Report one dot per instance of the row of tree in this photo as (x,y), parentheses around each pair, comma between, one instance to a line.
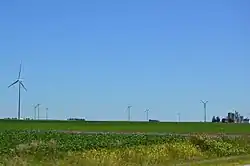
(76,119)
(216,119)
(223,120)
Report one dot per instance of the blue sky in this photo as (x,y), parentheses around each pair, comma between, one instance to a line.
(92,58)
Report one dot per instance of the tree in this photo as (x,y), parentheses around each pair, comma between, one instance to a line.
(213,119)
(230,120)
(217,119)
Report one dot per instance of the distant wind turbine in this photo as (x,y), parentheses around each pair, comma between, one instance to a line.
(147,110)
(38,111)
(47,113)
(20,84)
(129,113)
(179,116)
(35,112)
(205,109)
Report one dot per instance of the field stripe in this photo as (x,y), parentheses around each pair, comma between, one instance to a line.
(211,161)
(140,133)
(132,132)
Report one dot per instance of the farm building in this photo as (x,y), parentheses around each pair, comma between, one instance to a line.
(232,117)
(235,117)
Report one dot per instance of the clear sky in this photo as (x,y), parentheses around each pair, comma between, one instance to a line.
(91,58)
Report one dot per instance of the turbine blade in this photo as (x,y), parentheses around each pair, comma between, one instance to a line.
(23,86)
(13,83)
(20,69)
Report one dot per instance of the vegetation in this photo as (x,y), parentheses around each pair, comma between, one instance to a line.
(123,126)
(50,148)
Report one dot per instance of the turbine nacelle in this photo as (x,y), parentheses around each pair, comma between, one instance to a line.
(20,82)
(204,102)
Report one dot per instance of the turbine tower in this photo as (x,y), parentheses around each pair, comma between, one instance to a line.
(205,110)
(129,116)
(38,111)
(20,84)
(35,112)
(47,113)
(179,116)
(147,110)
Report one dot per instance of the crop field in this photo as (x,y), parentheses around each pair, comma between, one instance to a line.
(61,149)
(123,126)
(22,145)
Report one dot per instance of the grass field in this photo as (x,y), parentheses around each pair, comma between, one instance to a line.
(123,126)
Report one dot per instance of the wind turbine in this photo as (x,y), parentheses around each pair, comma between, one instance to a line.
(38,111)
(205,109)
(20,84)
(35,112)
(129,116)
(147,110)
(47,113)
(179,116)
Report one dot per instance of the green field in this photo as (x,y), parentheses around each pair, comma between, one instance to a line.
(60,149)
(123,126)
